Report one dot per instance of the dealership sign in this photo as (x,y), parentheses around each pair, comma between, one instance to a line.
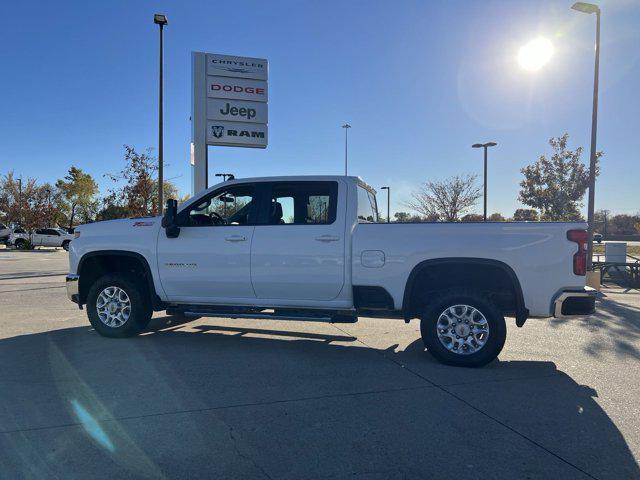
(228,107)
(235,91)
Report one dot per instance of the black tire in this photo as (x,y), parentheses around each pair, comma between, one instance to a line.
(495,320)
(21,244)
(141,310)
(65,245)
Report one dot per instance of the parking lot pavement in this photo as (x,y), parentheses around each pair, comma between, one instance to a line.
(222,398)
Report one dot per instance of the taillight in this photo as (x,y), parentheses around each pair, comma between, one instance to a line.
(580,257)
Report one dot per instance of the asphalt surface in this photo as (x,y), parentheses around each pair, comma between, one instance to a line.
(217,398)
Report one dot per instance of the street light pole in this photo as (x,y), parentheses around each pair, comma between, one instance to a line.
(485,146)
(388,189)
(20,201)
(160,20)
(346,127)
(590,8)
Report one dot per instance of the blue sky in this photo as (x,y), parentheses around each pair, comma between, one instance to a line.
(418,81)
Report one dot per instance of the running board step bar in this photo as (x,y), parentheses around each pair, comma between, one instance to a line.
(265,316)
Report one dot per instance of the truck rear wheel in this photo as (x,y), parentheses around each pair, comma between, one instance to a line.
(463,328)
(117,306)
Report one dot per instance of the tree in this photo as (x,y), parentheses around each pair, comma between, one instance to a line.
(472,217)
(405,217)
(525,215)
(496,217)
(78,192)
(555,186)
(24,202)
(112,212)
(601,221)
(447,199)
(624,224)
(402,216)
(136,188)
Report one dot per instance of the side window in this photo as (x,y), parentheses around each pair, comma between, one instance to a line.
(50,231)
(233,205)
(40,231)
(303,203)
(367,206)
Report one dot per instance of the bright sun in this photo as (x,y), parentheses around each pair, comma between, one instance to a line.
(535,54)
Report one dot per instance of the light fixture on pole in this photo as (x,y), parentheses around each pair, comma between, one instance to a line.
(590,8)
(485,146)
(346,127)
(160,20)
(225,176)
(388,189)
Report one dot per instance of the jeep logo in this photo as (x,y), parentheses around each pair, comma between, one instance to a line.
(247,113)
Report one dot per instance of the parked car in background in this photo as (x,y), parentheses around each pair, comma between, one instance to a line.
(597,237)
(4,233)
(43,237)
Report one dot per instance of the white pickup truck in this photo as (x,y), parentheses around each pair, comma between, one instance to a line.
(311,248)
(43,237)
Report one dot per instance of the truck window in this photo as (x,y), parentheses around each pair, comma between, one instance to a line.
(367,206)
(303,203)
(230,206)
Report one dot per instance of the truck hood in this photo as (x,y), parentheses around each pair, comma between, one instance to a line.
(134,234)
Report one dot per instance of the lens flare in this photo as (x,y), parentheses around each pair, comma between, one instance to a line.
(535,54)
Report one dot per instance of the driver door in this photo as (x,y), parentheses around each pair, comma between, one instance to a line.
(209,261)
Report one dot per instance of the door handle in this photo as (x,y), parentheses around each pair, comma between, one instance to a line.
(235,238)
(327,238)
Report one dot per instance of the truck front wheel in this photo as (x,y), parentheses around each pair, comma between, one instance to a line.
(463,328)
(117,306)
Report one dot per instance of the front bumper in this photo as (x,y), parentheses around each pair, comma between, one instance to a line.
(72,282)
(575,302)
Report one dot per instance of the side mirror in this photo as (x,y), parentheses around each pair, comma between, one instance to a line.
(169,219)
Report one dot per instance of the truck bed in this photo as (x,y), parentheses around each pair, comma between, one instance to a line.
(539,253)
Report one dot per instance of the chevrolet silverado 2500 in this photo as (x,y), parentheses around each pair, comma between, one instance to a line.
(311,248)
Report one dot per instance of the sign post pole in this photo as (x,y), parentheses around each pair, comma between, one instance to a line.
(229,107)
(199,149)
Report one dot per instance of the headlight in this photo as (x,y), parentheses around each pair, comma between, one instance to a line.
(76,234)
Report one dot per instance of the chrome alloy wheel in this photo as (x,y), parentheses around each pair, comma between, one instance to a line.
(462,329)
(113,307)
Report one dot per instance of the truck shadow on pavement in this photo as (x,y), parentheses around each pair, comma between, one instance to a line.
(216,400)
(615,326)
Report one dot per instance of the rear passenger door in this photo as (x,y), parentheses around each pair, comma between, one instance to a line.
(299,253)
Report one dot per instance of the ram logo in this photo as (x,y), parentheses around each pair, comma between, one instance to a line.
(217,131)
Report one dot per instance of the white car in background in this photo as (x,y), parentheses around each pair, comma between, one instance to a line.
(43,237)
(4,233)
